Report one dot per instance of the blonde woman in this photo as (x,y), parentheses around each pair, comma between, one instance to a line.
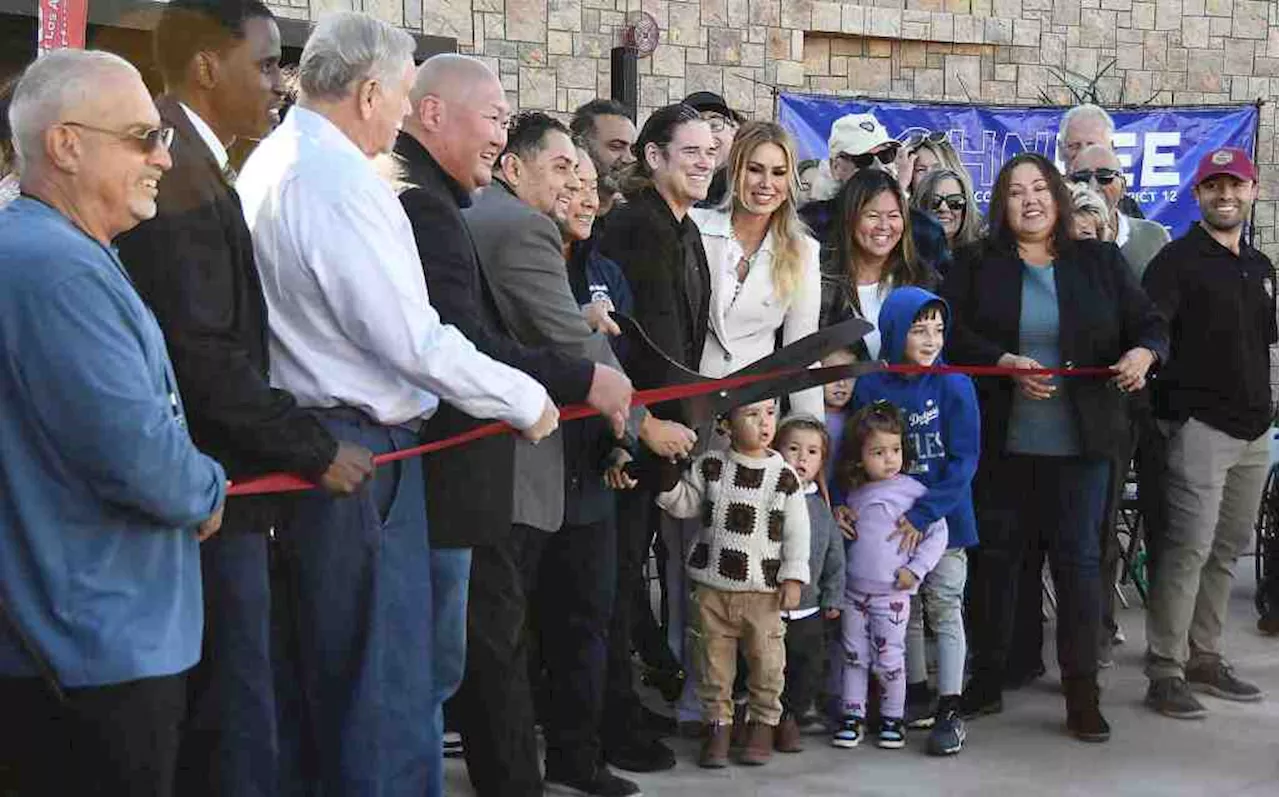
(763,262)
(1089,215)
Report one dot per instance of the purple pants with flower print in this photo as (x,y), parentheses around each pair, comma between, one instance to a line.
(873,632)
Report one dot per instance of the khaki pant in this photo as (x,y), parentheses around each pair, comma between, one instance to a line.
(725,620)
(1215,484)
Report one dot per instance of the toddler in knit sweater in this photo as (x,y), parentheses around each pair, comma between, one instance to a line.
(882,570)
(748,563)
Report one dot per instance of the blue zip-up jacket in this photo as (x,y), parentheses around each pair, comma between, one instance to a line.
(942,419)
(101,487)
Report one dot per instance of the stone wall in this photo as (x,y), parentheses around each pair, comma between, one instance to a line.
(554,54)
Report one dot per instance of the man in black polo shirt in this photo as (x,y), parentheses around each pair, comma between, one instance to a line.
(1213,404)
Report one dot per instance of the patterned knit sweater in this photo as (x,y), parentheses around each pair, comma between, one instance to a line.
(755,524)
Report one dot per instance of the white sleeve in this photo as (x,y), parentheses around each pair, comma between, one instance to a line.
(802,319)
(352,240)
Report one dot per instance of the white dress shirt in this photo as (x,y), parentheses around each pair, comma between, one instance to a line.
(745,317)
(351,323)
(207,136)
(1122,229)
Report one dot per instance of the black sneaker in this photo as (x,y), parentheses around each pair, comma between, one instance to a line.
(638,753)
(920,707)
(601,783)
(1217,678)
(892,735)
(1172,698)
(948,734)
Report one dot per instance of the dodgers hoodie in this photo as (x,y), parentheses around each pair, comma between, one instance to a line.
(873,559)
(942,417)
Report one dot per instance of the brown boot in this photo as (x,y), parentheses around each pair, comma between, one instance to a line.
(715,748)
(787,737)
(759,747)
(738,739)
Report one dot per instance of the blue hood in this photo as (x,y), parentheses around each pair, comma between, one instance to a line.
(896,315)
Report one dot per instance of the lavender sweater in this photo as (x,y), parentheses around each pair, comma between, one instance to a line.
(873,558)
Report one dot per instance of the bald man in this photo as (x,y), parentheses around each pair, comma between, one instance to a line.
(445,151)
(105,498)
(1097,166)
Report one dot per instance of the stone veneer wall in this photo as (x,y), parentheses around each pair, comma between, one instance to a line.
(554,54)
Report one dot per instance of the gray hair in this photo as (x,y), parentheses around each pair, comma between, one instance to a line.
(346,48)
(1083,112)
(56,83)
(1085,200)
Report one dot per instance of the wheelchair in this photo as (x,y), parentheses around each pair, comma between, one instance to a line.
(1266,548)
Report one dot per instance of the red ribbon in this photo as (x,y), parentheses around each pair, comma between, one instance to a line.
(288,482)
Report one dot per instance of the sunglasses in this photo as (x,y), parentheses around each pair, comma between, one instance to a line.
(1103,176)
(148,140)
(916,140)
(954,201)
(718,123)
(885,156)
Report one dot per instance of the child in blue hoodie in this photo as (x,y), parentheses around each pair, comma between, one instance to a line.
(943,426)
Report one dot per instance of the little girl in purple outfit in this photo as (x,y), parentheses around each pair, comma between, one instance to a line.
(884,568)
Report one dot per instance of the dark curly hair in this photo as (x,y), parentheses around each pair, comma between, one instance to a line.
(527,134)
(879,416)
(187,27)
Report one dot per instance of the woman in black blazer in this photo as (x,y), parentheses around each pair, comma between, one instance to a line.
(1026,297)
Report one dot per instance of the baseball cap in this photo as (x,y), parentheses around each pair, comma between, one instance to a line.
(857,133)
(1228,160)
(710,101)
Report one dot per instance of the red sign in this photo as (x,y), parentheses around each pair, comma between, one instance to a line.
(62,24)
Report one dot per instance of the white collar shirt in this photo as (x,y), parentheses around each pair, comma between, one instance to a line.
(1122,229)
(207,136)
(350,320)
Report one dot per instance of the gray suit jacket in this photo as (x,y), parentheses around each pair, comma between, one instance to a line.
(520,253)
(1146,238)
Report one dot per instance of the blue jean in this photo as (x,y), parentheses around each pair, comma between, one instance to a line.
(361,623)
(229,745)
(941,596)
(450,576)
(1023,498)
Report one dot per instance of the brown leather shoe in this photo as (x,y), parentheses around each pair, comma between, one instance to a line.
(738,739)
(759,747)
(715,748)
(787,737)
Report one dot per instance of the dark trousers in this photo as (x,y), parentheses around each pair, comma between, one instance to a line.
(109,741)
(230,744)
(1026,654)
(359,609)
(1062,498)
(571,575)
(805,656)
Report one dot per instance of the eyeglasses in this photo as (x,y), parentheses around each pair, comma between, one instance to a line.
(149,140)
(717,122)
(885,156)
(954,201)
(1103,176)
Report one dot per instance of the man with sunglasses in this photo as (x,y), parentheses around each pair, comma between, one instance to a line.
(194,266)
(105,496)
(857,142)
(1139,239)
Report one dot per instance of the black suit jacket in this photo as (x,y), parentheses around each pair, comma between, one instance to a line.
(193,264)
(469,488)
(646,241)
(1102,313)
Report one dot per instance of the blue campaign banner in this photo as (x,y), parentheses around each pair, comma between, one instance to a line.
(1159,146)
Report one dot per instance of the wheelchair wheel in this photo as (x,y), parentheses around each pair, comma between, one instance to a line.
(1267,546)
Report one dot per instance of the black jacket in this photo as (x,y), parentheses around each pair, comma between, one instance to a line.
(644,238)
(1221,309)
(193,264)
(1102,314)
(469,488)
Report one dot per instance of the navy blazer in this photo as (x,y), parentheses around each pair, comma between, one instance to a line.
(1102,313)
